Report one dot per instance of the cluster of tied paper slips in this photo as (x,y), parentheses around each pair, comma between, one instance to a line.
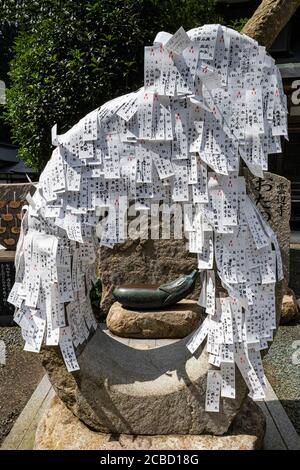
(211,98)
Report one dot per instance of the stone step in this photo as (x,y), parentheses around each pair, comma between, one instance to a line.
(138,343)
(175,321)
(59,429)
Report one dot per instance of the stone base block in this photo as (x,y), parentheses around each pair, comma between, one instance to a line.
(289,309)
(59,429)
(176,321)
(123,390)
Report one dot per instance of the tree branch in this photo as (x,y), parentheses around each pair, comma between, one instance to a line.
(269,19)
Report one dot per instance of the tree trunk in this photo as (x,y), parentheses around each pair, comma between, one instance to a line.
(269,19)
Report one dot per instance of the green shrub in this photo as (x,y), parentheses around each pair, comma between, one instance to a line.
(72,56)
(238,23)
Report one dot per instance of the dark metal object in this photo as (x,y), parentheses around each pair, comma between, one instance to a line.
(156,297)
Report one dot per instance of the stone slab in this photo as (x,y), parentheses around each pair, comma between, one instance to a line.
(120,389)
(281,420)
(272,196)
(59,429)
(176,321)
(273,440)
(22,434)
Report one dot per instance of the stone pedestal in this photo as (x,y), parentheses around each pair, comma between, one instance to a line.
(59,429)
(176,321)
(119,389)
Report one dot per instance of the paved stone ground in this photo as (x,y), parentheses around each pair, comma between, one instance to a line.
(283,372)
(18,378)
(283,375)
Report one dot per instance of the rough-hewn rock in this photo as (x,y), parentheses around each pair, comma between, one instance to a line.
(176,321)
(269,19)
(59,429)
(119,389)
(124,390)
(289,309)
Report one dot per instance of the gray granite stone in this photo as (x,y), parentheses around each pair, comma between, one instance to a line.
(120,389)
(175,321)
(59,429)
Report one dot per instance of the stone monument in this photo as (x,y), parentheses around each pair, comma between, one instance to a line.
(212,98)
